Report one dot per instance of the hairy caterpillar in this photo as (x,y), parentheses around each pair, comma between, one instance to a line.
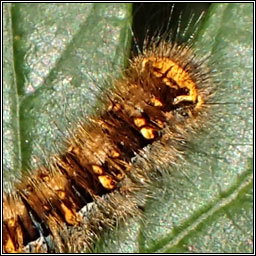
(149,131)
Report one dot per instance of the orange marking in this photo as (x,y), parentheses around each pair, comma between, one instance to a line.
(69,216)
(11,222)
(116,107)
(156,102)
(9,246)
(148,133)
(74,150)
(171,71)
(139,121)
(114,154)
(97,169)
(106,181)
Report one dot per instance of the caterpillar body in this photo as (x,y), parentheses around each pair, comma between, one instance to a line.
(161,102)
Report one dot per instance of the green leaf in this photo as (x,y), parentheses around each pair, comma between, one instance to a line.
(54,54)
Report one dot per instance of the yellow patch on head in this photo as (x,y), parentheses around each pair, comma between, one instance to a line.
(167,69)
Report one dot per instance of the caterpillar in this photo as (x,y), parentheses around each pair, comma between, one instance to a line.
(162,102)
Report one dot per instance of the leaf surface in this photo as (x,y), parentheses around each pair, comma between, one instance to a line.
(55,59)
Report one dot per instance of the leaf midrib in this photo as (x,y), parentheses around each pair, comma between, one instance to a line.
(16,94)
